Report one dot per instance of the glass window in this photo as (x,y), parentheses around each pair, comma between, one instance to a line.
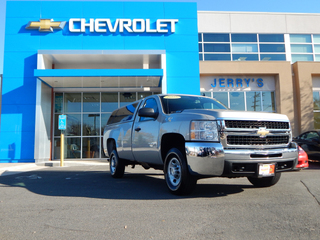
(236,37)
(217,57)
(91,102)
(205,94)
(217,47)
(72,102)
(237,101)
(244,48)
(56,148)
(316,38)
(125,113)
(109,102)
(301,48)
(272,48)
(316,101)
(245,57)
(317,57)
(221,97)
(104,120)
(58,102)
(150,103)
(91,124)
(272,57)
(126,98)
(57,132)
(143,95)
(200,47)
(268,102)
(200,57)
(90,147)
(316,48)
(199,37)
(216,37)
(316,120)
(73,125)
(300,38)
(301,57)
(271,37)
(73,147)
(253,101)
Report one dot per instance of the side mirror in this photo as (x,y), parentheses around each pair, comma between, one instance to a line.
(147,112)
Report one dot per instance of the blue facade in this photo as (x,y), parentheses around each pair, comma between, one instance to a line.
(17,133)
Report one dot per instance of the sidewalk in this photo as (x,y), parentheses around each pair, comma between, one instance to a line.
(15,168)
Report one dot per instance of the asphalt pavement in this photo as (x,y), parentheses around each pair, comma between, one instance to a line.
(84,202)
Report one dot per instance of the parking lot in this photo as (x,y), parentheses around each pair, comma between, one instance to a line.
(84,202)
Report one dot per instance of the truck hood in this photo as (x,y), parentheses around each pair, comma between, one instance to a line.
(237,115)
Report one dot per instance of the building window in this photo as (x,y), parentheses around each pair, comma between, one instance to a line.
(301,57)
(217,57)
(271,38)
(272,48)
(259,101)
(300,38)
(239,37)
(87,115)
(316,109)
(216,37)
(241,47)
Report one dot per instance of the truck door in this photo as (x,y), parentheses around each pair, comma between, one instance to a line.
(145,133)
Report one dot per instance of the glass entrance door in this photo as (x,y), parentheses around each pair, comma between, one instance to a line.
(87,114)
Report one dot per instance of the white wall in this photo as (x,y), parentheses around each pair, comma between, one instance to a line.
(250,22)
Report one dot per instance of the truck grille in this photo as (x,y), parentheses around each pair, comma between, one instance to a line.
(256,124)
(256,140)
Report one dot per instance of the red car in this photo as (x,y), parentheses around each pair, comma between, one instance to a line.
(302,160)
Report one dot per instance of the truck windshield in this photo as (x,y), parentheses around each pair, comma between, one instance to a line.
(177,103)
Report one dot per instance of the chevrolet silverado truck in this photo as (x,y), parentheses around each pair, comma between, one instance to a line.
(193,137)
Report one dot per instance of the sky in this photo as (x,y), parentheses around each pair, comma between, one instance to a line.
(285,6)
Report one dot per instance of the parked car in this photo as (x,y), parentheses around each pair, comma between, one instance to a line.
(302,160)
(310,143)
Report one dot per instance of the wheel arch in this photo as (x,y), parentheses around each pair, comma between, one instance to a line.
(111,145)
(172,140)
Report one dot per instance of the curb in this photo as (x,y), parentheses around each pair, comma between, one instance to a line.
(27,167)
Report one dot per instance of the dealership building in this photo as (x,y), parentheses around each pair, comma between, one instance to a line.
(85,59)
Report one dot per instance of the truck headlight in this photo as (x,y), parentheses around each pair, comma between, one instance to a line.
(204,131)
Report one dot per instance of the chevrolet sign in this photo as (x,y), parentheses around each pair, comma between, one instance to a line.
(101,25)
(130,25)
(45,25)
(262,132)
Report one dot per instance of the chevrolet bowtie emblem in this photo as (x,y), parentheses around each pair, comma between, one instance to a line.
(45,25)
(262,132)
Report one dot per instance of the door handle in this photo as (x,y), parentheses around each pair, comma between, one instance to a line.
(137,129)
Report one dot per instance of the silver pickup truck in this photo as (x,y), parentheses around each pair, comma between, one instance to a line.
(192,137)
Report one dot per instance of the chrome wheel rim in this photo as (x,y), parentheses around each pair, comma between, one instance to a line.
(113,163)
(174,172)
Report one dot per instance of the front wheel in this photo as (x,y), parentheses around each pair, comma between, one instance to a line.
(177,176)
(117,165)
(265,182)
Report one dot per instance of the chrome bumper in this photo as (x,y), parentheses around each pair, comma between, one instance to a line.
(210,159)
(205,158)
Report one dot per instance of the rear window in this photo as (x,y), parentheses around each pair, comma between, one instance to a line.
(123,114)
(176,103)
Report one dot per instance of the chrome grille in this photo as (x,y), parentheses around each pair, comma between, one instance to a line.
(256,140)
(256,124)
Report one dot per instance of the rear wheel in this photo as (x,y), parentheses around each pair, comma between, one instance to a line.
(266,181)
(117,165)
(177,176)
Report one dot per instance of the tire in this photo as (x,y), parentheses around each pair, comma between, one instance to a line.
(266,181)
(177,176)
(117,165)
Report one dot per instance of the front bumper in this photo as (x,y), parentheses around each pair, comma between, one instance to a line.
(210,159)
